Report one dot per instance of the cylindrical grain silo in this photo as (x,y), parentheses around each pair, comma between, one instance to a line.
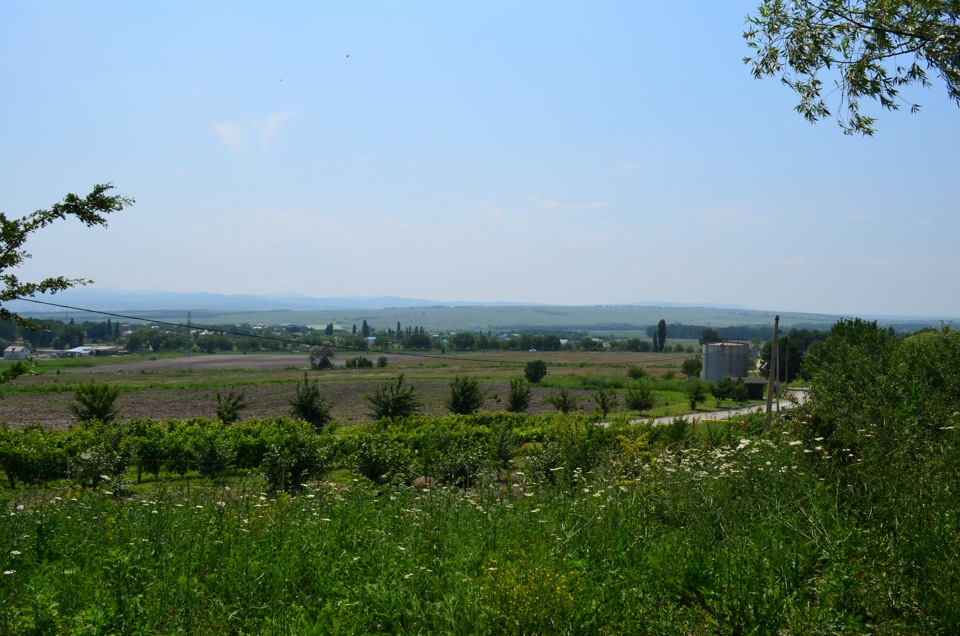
(724,358)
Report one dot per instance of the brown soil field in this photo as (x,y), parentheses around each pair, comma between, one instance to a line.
(187,387)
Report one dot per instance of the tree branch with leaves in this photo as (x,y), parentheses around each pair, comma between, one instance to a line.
(870,49)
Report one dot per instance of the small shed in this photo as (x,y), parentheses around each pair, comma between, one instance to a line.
(16,352)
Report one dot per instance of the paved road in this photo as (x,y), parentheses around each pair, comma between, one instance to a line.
(785,403)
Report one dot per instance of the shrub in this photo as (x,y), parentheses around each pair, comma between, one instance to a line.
(466,396)
(294,454)
(310,406)
(229,407)
(535,371)
(394,401)
(518,399)
(359,362)
(96,401)
(381,459)
(640,399)
(606,401)
(691,367)
(563,401)
(696,393)
(320,358)
(382,362)
(636,373)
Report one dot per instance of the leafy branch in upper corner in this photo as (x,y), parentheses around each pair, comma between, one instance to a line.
(873,49)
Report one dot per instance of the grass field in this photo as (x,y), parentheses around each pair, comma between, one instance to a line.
(169,387)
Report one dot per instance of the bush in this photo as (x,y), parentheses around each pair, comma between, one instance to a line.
(640,399)
(563,401)
(606,401)
(96,401)
(696,393)
(320,358)
(382,459)
(691,367)
(382,362)
(394,401)
(295,453)
(518,399)
(535,371)
(229,407)
(636,373)
(310,406)
(360,362)
(466,396)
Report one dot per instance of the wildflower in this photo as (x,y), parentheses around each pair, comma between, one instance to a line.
(15,552)
(9,572)
(795,442)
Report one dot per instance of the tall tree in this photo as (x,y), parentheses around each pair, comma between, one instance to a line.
(661,334)
(870,48)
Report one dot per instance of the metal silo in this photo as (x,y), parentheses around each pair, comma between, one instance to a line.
(724,358)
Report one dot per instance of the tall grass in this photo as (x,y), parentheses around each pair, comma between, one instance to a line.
(597,531)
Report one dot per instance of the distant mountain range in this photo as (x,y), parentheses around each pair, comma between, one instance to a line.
(112,300)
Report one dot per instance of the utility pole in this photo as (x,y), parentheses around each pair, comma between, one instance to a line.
(773,362)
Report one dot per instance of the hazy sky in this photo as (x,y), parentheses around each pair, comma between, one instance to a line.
(546,152)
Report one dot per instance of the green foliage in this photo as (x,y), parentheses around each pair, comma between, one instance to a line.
(394,401)
(466,396)
(382,362)
(606,401)
(640,399)
(691,367)
(309,405)
(872,50)
(563,400)
(381,459)
(535,371)
(295,454)
(728,389)
(696,393)
(230,406)
(14,233)
(518,398)
(360,362)
(708,335)
(96,401)
(636,373)
(321,358)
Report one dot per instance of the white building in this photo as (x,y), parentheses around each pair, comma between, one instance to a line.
(16,352)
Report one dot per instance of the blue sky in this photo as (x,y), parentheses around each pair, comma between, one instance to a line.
(545,152)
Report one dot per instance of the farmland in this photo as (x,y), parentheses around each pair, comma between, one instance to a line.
(838,520)
(186,386)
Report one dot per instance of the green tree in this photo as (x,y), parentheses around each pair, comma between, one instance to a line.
(691,367)
(870,49)
(96,401)
(640,399)
(365,329)
(230,405)
(563,401)
(394,401)
(696,394)
(661,334)
(606,401)
(417,341)
(320,357)
(14,233)
(309,405)
(518,398)
(466,396)
(535,371)
(709,335)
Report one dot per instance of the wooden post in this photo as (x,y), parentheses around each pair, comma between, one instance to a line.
(773,364)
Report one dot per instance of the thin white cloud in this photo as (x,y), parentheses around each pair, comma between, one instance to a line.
(270,127)
(628,167)
(235,134)
(231,134)
(796,261)
(552,204)
(732,216)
